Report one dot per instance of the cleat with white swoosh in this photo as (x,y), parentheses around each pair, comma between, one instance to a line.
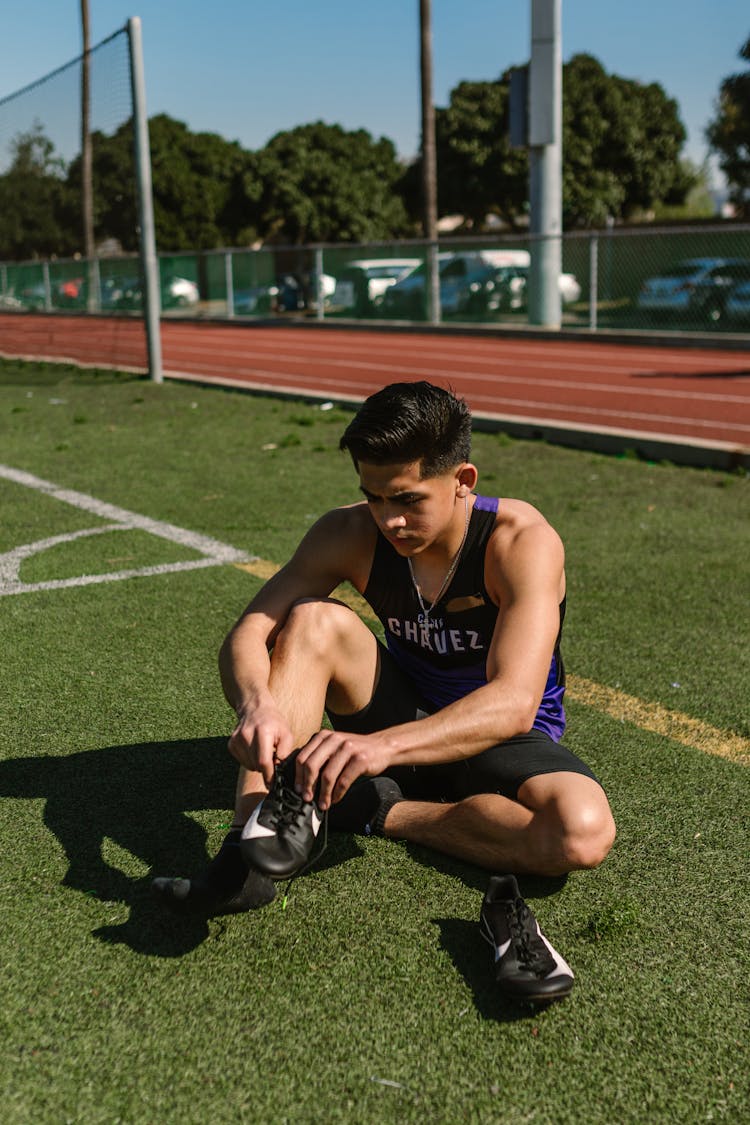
(526,965)
(280,834)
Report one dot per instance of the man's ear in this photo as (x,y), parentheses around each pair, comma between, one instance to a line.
(466,478)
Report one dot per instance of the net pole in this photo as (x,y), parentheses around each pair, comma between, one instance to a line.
(87,190)
(429,165)
(149,263)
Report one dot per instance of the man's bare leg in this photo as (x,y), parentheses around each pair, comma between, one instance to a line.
(561,822)
(323,656)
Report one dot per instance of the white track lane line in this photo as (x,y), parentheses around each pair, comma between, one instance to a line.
(299,382)
(227,361)
(634,357)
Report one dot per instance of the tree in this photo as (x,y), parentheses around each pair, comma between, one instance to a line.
(321,183)
(113,174)
(194,176)
(699,201)
(478,172)
(621,145)
(202,186)
(729,135)
(621,150)
(35,203)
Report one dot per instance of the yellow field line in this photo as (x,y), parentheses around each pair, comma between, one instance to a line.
(610,701)
(660,720)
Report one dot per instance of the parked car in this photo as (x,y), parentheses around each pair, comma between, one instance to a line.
(472,283)
(463,278)
(259,299)
(34,296)
(73,293)
(362,284)
(176,292)
(511,289)
(695,287)
(327,285)
(180,292)
(737,304)
(8,301)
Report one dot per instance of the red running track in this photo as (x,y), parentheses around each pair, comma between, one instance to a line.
(685,395)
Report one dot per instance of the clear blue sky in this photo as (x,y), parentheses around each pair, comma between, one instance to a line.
(248,68)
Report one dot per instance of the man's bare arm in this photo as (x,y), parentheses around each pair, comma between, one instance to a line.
(329,554)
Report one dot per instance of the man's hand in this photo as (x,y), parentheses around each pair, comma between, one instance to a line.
(262,737)
(338,759)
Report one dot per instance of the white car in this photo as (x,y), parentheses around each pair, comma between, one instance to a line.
(361,285)
(473,283)
(180,291)
(511,288)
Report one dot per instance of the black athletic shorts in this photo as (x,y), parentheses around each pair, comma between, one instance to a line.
(499,769)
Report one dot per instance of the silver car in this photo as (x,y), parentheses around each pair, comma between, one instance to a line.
(696,287)
(362,284)
(737,304)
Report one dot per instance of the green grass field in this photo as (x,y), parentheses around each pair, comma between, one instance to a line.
(371,997)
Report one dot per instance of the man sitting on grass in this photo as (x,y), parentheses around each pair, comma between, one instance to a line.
(447,735)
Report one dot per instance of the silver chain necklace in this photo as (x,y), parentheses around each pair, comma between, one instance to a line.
(427,610)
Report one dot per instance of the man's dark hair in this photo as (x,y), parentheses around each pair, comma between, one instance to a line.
(411,422)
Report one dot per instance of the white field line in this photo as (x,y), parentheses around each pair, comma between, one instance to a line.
(120,519)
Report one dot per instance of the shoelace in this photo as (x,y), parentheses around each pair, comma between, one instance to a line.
(531,950)
(288,809)
(288,805)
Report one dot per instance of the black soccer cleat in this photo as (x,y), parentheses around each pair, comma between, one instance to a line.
(280,834)
(526,965)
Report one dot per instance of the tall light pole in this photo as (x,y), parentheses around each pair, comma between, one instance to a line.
(545,162)
(87,194)
(429,164)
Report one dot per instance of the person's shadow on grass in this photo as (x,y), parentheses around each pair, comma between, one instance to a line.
(139,797)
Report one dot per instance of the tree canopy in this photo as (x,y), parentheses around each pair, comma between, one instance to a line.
(621,145)
(36,204)
(322,183)
(478,172)
(620,150)
(314,183)
(202,186)
(729,134)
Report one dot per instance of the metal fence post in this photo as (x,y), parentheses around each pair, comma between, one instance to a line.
(593,281)
(229,278)
(150,265)
(94,296)
(319,294)
(432,279)
(47,287)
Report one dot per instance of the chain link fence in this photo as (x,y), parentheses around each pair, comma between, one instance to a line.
(666,280)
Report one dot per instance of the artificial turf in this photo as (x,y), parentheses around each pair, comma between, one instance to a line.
(370,997)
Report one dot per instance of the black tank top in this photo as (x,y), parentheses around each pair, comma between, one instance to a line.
(446,655)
